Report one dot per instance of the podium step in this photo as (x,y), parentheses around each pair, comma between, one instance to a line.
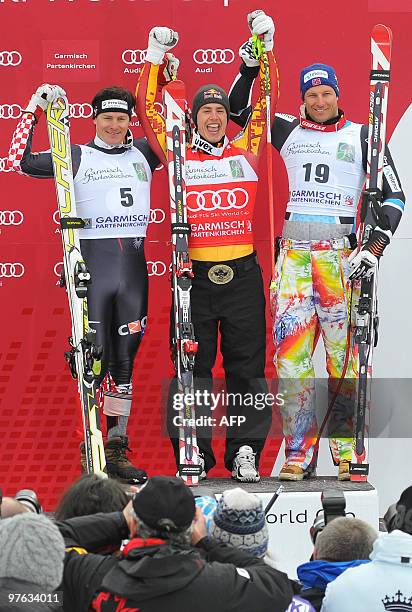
(290,518)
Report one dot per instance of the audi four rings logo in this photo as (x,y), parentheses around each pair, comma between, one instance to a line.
(134,56)
(157,215)
(11,217)
(156,268)
(81,111)
(223,199)
(3,165)
(58,267)
(11,270)
(10,58)
(10,111)
(213,56)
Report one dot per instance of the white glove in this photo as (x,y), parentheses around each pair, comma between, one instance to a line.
(261,24)
(160,41)
(44,95)
(171,67)
(362,264)
(246,54)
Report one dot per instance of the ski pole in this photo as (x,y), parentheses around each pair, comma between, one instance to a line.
(260,51)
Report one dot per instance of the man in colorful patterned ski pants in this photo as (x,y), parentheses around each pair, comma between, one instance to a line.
(326,161)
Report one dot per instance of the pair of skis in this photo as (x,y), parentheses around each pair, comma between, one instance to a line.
(185,345)
(84,357)
(367,320)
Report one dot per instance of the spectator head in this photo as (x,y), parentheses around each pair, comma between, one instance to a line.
(240,521)
(10,507)
(91,494)
(32,550)
(399,516)
(345,539)
(164,507)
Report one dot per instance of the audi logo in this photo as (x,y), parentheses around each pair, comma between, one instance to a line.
(81,111)
(11,270)
(3,165)
(11,217)
(213,56)
(156,268)
(134,56)
(157,215)
(58,267)
(10,58)
(223,199)
(10,111)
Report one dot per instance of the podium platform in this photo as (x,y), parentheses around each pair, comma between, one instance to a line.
(293,513)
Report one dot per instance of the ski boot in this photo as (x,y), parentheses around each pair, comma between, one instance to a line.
(117,463)
(344,473)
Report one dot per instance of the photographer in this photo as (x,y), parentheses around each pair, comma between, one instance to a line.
(345,542)
(169,562)
(385,582)
(24,501)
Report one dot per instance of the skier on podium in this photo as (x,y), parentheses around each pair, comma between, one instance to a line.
(112,176)
(325,156)
(227,290)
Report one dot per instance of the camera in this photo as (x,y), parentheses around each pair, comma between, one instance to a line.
(28,498)
(333,506)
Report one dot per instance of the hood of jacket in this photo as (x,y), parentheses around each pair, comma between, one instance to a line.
(318,574)
(152,568)
(394,547)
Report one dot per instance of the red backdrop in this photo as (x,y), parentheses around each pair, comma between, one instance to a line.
(39,412)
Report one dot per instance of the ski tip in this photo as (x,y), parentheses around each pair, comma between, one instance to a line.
(382,34)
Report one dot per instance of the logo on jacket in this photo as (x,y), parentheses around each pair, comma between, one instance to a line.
(398,603)
(345,152)
(140,172)
(221,199)
(236,168)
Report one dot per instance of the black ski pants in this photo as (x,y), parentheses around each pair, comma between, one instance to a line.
(117,301)
(237,310)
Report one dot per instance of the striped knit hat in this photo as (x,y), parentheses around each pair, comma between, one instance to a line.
(240,521)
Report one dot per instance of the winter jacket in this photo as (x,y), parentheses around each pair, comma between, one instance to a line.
(316,575)
(383,584)
(152,575)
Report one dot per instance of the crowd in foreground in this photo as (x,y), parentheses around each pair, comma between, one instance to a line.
(162,548)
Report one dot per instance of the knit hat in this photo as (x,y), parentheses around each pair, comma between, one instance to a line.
(209,94)
(240,521)
(31,549)
(207,505)
(318,74)
(165,503)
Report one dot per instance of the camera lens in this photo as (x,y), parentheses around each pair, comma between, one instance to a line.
(28,498)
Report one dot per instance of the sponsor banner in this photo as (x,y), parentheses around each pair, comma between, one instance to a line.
(71,61)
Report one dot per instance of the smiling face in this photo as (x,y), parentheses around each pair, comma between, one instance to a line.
(112,127)
(321,103)
(212,122)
